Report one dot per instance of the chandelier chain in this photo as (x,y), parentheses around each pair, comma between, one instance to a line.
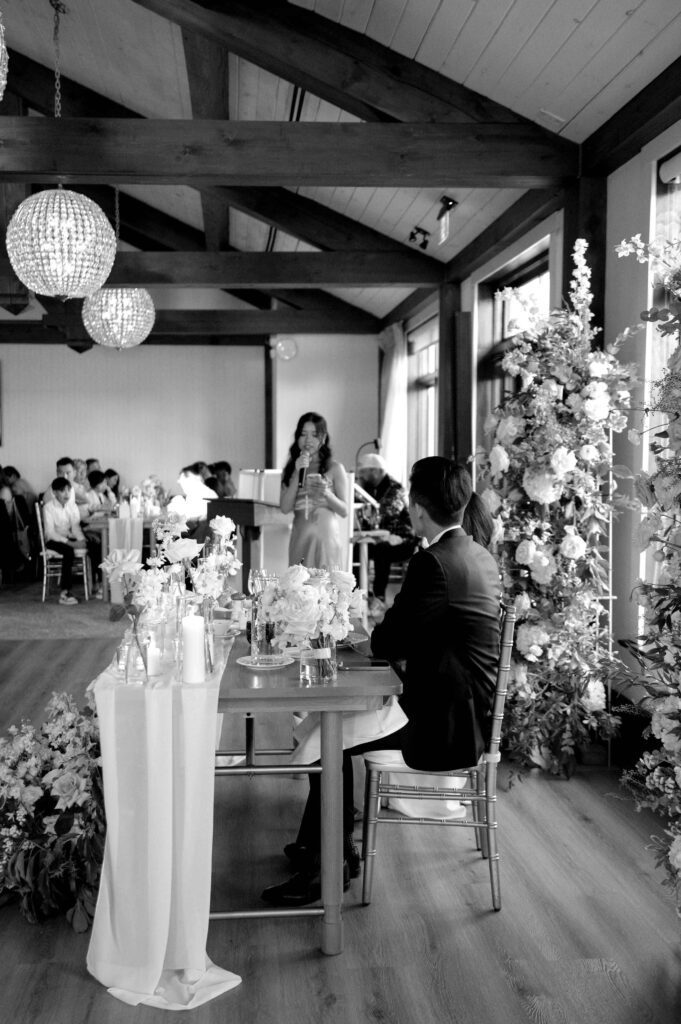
(117,213)
(59,8)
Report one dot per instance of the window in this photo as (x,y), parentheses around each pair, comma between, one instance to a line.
(422,351)
(500,317)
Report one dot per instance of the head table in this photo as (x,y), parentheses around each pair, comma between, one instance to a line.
(158,742)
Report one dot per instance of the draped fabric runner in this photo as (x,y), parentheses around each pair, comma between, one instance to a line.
(149,934)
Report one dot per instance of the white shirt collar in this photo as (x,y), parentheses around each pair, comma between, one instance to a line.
(441,534)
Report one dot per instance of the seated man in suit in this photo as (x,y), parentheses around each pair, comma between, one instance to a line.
(444,627)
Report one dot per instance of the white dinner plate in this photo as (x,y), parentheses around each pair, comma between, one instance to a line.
(260,666)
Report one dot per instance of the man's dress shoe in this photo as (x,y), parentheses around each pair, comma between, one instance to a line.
(303,859)
(303,887)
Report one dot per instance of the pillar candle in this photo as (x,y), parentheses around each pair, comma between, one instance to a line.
(193,657)
(153,660)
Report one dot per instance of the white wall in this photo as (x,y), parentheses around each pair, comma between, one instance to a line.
(146,410)
(337,377)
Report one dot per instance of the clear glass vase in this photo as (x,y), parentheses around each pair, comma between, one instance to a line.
(318,664)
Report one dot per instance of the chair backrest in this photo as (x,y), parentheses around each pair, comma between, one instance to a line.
(41,532)
(507,629)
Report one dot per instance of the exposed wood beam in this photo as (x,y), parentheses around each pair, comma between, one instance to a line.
(654,109)
(333,62)
(269,270)
(221,322)
(119,150)
(298,216)
(35,332)
(208,73)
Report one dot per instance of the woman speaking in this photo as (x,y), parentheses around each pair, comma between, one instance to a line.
(314,488)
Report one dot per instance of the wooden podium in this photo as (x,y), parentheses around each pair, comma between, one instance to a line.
(252,517)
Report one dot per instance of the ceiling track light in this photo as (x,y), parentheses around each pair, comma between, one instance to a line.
(420,236)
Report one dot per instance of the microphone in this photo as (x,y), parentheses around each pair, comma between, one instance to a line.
(301,476)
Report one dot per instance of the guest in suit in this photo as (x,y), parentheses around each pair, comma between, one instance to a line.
(443,628)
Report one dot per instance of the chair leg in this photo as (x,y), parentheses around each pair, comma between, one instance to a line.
(473,780)
(86,577)
(491,836)
(483,816)
(44,581)
(369,824)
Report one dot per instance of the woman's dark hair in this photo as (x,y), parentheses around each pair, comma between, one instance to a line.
(108,474)
(442,487)
(478,522)
(325,454)
(95,477)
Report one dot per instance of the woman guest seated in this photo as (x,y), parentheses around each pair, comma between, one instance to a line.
(98,504)
(113,483)
(314,487)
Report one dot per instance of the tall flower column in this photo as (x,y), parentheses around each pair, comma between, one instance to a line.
(549,478)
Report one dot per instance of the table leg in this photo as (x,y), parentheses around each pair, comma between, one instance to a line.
(332,831)
(105,552)
(364,581)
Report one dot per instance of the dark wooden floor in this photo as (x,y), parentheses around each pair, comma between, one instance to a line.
(587,935)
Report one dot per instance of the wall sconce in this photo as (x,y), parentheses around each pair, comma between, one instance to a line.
(420,236)
(446,204)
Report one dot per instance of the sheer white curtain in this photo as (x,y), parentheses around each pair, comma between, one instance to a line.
(393,401)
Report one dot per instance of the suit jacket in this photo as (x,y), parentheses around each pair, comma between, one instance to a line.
(445,624)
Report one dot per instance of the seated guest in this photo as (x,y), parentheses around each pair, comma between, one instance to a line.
(225,486)
(113,483)
(444,625)
(201,469)
(92,464)
(80,485)
(67,470)
(14,517)
(63,533)
(97,502)
(20,487)
(393,515)
(193,503)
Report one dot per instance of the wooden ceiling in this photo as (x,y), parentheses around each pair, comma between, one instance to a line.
(283,152)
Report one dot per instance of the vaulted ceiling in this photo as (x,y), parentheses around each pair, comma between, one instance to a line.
(283,152)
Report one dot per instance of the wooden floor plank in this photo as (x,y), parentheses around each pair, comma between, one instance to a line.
(587,935)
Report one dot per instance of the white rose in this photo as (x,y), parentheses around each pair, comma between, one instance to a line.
(674,854)
(596,401)
(574,402)
(573,546)
(492,500)
(530,641)
(594,698)
(509,428)
(525,552)
(589,453)
(522,603)
(598,367)
(181,548)
(343,580)
(563,461)
(498,460)
(541,486)
(543,568)
(294,576)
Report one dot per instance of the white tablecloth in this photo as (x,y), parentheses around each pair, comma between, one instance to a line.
(149,934)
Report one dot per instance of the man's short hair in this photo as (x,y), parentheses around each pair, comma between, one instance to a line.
(11,471)
(372,460)
(60,483)
(64,461)
(222,466)
(442,487)
(88,462)
(95,477)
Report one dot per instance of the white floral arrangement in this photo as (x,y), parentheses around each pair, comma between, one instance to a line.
(308,604)
(549,482)
(52,824)
(655,780)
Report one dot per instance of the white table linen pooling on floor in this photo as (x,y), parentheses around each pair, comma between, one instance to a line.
(148,941)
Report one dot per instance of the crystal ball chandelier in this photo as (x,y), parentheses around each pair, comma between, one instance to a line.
(4,59)
(119,317)
(61,244)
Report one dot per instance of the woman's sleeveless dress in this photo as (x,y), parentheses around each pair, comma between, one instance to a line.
(315,540)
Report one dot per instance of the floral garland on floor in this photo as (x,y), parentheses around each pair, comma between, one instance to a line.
(655,781)
(52,824)
(548,475)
